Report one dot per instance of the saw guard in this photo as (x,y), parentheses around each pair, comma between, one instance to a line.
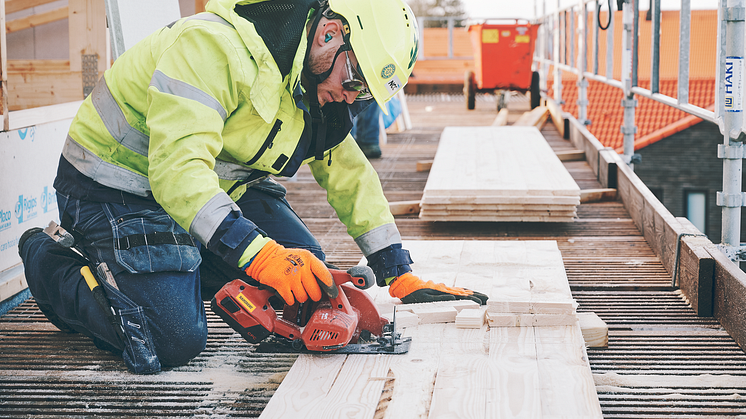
(370,318)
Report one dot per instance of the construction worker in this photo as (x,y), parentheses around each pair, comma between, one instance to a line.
(164,173)
(366,131)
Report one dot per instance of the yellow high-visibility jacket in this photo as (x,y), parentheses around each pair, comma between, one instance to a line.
(198,108)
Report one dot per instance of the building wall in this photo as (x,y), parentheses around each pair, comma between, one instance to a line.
(50,41)
(687,161)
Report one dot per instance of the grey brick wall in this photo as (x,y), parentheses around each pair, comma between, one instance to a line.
(687,161)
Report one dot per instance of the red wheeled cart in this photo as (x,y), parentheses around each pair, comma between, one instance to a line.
(503,53)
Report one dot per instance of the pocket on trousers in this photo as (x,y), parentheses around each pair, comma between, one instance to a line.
(151,241)
(139,354)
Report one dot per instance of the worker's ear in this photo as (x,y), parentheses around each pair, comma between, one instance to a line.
(328,32)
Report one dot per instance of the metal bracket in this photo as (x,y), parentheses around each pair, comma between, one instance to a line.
(730,152)
(735,14)
(629,103)
(628,130)
(734,253)
(731,200)
(90,72)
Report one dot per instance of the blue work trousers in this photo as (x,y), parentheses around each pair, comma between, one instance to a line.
(366,126)
(161,287)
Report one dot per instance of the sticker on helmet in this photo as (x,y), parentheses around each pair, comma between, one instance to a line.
(393,85)
(388,71)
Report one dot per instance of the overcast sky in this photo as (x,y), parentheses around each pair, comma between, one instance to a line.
(525,8)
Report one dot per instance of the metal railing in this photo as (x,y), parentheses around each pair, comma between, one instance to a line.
(569,24)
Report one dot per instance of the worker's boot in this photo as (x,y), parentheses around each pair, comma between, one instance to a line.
(45,309)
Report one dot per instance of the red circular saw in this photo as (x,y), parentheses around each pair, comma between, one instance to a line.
(345,320)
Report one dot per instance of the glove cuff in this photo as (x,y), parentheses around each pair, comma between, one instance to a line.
(258,262)
(405,285)
(392,261)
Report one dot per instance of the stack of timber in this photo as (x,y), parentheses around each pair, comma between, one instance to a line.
(498,174)
(454,372)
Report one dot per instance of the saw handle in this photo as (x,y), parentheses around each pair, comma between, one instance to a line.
(360,276)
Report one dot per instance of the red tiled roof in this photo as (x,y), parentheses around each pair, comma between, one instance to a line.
(652,118)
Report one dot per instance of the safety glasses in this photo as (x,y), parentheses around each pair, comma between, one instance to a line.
(355,81)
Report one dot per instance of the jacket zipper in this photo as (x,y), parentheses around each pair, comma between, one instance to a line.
(267,143)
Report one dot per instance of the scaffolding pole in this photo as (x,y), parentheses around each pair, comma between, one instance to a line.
(731,151)
(582,63)
(628,102)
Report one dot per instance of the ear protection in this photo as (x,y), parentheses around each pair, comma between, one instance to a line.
(328,38)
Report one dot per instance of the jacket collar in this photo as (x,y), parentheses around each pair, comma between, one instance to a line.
(268,86)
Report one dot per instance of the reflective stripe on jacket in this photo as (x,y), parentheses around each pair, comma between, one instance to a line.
(199,106)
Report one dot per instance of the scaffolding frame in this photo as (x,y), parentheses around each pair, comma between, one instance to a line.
(559,26)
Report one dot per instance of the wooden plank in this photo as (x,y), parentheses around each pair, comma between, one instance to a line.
(424,165)
(597,195)
(595,331)
(696,269)
(529,320)
(510,160)
(39,19)
(415,373)
(501,118)
(12,286)
(31,90)
(547,219)
(472,318)
(458,305)
(729,305)
(404,319)
(572,155)
(88,33)
(557,116)
(607,161)
(499,207)
(307,382)
(567,387)
(461,385)
(466,373)
(404,207)
(514,374)
(435,314)
(330,386)
(533,118)
(503,200)
(37,66)
(12,6)
(499,213)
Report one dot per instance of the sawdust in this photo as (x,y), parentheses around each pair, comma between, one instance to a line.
(613,379)
(702,394)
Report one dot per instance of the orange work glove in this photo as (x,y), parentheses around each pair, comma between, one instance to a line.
(296,274)
(411,289)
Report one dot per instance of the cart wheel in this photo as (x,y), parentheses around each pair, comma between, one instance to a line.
(469,89)
(535,92)
(501,99)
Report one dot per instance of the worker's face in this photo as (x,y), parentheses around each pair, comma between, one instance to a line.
(328,40)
